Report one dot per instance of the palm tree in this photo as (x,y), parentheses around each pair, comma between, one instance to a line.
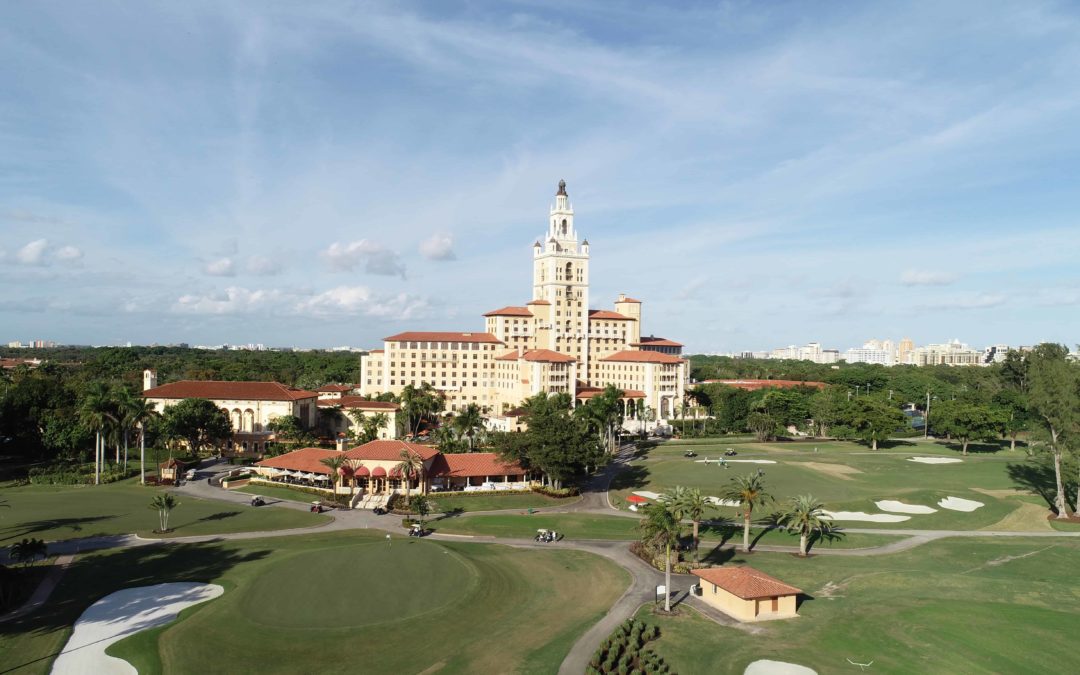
(805,515)
(689,503)
(96,413)
(334,463)
(164,504)
(409,466)
(660,527)
(469,422)
(28,551)
(348,473)
(749,491)
(124,401)
(138,413)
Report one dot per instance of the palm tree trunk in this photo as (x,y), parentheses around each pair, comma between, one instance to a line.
(667,579)
(1059,498)
(97,458)
(746,533)
(802,544)
(125,450)
(142,456)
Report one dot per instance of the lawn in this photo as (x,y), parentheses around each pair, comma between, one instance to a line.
(954,606)
(339,602)
(447,503)
(57,513)
(849,477)
(572,525)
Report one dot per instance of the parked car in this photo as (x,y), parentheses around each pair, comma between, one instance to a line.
(190,475)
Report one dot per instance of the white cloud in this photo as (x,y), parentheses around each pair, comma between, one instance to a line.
(926,278)
(33,253)
(438,247)
(222,267)
(233,300)
(375,258)
(263,266)
(68,253)
(342,301)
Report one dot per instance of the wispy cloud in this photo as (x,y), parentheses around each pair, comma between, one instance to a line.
(927,278)
(438,247)
(222,267)
(373,257)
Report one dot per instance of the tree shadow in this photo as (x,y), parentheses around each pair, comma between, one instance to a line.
(895,443)
(720,555)
(1038,477)
(451,513)
(978,448)
(221,515)
(33,527)
(93,576)
(831,537)
(634,476)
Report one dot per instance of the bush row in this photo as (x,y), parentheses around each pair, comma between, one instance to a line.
(624,652)
(322,494)
(77,474)
(656,559)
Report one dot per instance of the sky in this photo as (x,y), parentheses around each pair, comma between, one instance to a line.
(330,173)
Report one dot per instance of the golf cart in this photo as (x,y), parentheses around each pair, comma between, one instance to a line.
(731,452)
(379,511)
(257,501)
(547,536)
(689,453)
(416,530)
(317,507)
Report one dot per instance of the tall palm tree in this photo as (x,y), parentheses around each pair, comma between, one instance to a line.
(96,413)
(805,515)
(124,401)
(409,466)
(334,463)
(139,412)
(164,504)
(690,504)
(660,527)
(469,422)
(749,491)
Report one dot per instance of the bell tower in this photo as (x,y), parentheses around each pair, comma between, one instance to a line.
(561,277)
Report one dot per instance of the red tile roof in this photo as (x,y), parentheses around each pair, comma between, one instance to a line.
(508,356)
(472,464)
(605,314)
(308,460)
(746,582)
(656,342)
(593,392)
(358,403)
(547,356)
(335,388)
(438,336)
(388,450)
(510,311)
(216,390)
(538,302)
(626,299)
(642,357)
(377,351)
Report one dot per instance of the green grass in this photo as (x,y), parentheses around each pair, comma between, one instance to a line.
(275,492)
(572,525)
(337,603)
(954,606)
(57,513)
(845,476)
(457,502)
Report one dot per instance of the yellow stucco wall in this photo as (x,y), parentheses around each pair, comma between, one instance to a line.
(747,610)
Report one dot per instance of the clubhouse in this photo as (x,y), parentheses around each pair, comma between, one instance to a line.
(371,470)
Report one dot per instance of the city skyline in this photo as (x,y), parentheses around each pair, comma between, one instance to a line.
(325,177)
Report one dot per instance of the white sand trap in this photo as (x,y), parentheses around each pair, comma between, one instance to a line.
(868,517)
(900,507)
(767,667)
(736,461)
(935,460)
(958,504)
(119,615)
(716,501)
(647,495)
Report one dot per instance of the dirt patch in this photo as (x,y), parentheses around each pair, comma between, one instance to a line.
(1002,494)
(841,471)
(1026,517)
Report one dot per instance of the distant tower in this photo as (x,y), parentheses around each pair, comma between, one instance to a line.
(149,379)
(561,277)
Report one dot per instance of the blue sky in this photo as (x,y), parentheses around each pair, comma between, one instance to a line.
(320,174)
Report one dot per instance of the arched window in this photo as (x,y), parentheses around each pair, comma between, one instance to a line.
(569,271)
(564,226)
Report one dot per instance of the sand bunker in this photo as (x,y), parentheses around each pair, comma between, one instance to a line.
(767,667)
(716,501)
(935,460)
(647,495)
(736,461)
(868,517)
(958,504)
(901,507)
(120,614)
(841,471)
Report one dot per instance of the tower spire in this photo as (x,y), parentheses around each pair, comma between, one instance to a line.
(562,189)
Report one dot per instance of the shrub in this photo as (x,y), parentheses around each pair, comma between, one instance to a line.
(552,492)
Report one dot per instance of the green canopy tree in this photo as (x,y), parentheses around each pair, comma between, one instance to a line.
(749,491)
(1054,402)
(805,514)
(763,425)
(197,422)
(873,420)
(967,422)
(421,403)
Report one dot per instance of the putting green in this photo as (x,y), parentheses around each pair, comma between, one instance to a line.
(358,585)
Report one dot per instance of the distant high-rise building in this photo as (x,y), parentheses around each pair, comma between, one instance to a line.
(953,353)
(903,350)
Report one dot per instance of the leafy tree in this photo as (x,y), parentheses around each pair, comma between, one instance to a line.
(1054,399)
(967,422)
(826,409)
(805,515)
(421,403)
(421,506)
(660,528)
(164,504)
(558,443)
(469,423)
(197,422)
(763,425)
(872,420)
(749,491)
(289,430)
(409,466)
(28,551)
